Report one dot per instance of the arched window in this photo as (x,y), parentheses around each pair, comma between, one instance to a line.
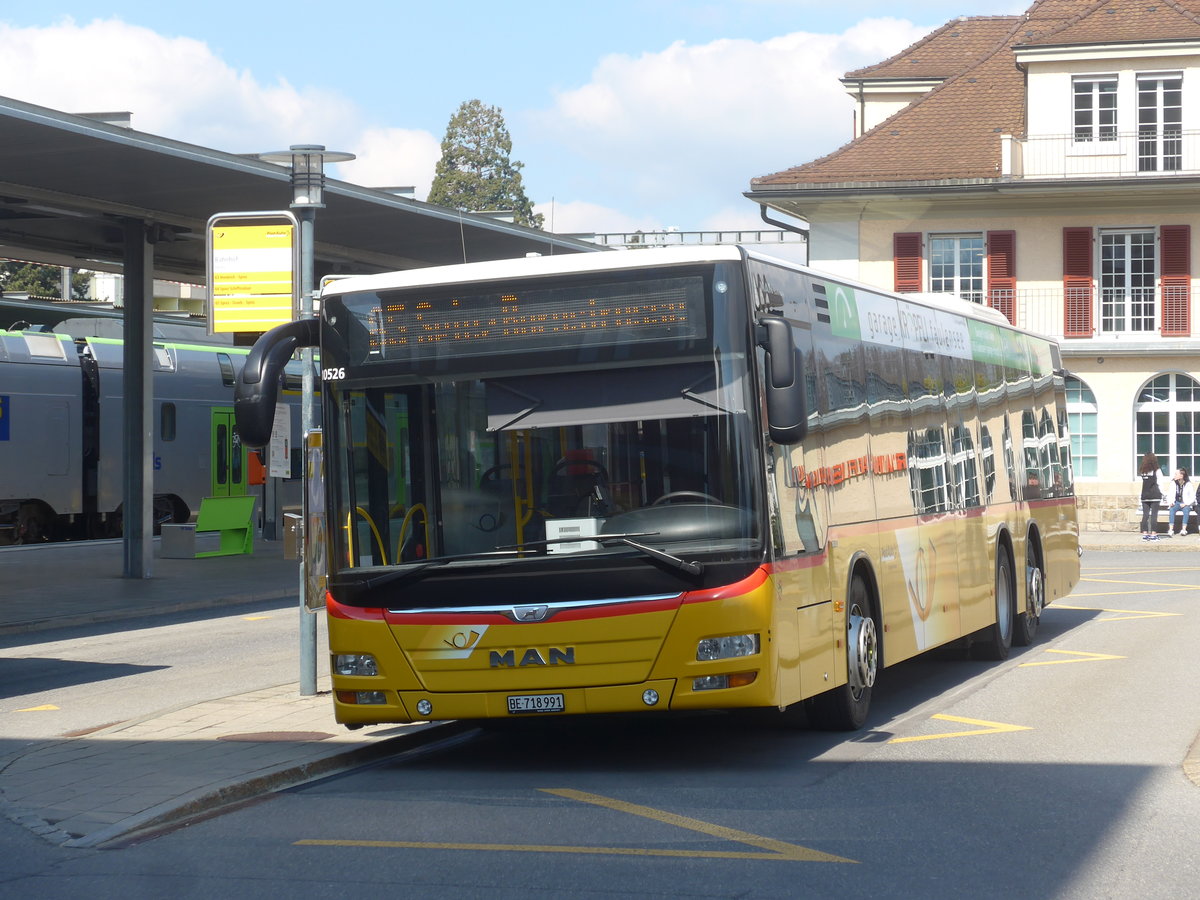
(1167,415)
(1081,416)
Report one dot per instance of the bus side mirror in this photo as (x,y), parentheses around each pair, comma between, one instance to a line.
(257,388)
(787,406)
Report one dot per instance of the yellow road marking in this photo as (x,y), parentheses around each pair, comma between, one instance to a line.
(1086,657)
(985,728)
(1128,613)
(254,618)
(1165,584)
(46,708)
(771,849)
(791,851)
(1123,593)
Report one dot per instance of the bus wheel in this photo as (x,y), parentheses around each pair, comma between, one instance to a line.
(998,637)
(845,708)
(1035,601)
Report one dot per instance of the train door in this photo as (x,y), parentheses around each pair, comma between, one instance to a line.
(230,467)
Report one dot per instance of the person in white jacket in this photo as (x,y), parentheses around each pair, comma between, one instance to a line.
(1180,492)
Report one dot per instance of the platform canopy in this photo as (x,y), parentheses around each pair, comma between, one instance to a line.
(69,182)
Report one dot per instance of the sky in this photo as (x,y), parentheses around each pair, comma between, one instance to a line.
(626,114)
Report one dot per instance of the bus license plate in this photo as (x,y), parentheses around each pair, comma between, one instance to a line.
(535,703)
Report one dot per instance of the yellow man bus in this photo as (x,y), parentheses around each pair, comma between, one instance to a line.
(670,479)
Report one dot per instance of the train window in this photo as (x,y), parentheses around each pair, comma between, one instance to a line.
(166,422)
(227,372)
(293,377)
(222,454)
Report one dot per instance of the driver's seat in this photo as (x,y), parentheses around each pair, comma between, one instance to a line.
(578,488)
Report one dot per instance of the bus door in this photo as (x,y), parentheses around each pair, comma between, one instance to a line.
(229,465)
(388,518)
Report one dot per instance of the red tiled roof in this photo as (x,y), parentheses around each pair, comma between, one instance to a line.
(1107,21)
(953,132)
(945,52)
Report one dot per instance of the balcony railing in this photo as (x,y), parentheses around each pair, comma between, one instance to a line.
(1151,152)
(1133,314)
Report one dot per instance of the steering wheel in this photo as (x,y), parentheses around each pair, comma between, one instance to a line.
(681,495)
(492,474)
(590,463)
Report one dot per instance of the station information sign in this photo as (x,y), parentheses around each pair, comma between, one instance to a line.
(253,271)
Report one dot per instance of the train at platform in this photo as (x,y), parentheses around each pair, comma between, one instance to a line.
(62,429)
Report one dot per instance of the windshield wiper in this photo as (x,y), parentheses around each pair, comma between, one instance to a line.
(357,583)
(683,565)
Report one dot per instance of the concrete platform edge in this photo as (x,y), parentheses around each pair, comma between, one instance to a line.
(100,618)
(213,798)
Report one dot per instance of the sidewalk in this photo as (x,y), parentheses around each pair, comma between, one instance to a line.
(91,789)
(168,767)
(84,791)
(55,585)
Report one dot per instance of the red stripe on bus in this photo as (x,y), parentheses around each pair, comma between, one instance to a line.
(738,588)
(359,613)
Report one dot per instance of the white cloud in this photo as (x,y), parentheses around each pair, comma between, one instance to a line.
(175,87)
(178,88)
(667,139)
(584,217)
(394,157)
(689,127)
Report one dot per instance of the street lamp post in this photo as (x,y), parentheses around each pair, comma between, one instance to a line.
(307,162)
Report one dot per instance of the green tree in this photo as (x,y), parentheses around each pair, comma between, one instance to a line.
(41,281)
(476,172)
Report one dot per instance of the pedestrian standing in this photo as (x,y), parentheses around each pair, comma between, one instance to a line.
(1149,474)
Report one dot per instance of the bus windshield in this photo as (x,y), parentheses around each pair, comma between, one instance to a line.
(537,465)
(544,465)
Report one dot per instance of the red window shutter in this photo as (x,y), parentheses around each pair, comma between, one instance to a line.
(1077,282)
(906,250)
(1002,272)
(1175,251)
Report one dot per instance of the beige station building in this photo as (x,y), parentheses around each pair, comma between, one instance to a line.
(1048,165)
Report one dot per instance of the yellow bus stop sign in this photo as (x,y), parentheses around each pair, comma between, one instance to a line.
(252,271)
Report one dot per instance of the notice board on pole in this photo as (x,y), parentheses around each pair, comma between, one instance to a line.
(253,271)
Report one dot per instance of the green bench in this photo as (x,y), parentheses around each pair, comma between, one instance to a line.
(233,518)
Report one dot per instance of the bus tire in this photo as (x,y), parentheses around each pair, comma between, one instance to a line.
(1035,601)
(997,638)
(845,708)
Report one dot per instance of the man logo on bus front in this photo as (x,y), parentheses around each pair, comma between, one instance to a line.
(530,613)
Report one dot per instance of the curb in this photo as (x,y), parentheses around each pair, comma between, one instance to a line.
(120,615)
(1168,545)
(212,798)
(1191,764)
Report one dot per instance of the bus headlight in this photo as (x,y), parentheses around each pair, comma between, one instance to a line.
(355,664)
(727,647)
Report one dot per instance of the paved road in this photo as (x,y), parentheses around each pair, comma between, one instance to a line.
(1059,773)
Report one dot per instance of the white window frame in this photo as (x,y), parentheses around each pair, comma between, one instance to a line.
(1160,396)
(1082,410)
(1096,129)
(1159,142)
(959,280)
(1123,293)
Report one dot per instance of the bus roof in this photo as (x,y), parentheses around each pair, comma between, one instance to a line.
(568,264)
(534,266)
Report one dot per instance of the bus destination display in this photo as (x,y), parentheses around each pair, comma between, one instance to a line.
(419,326)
